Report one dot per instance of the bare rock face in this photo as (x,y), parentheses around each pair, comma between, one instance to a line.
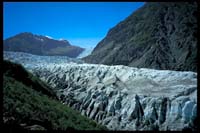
(159,35)
(121,97)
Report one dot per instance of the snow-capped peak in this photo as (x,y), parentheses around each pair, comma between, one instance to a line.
(61,39)
(49,37)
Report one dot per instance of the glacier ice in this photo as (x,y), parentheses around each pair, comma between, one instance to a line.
(119,97)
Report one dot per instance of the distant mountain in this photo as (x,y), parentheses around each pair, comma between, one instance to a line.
(159,35)
(40,45)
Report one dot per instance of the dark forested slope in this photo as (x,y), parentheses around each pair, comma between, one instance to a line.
(29,104)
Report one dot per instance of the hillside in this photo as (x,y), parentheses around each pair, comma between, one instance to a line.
(159,35)
(27,105)
(40,45)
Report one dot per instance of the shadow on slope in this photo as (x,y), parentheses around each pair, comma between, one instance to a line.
(27,105)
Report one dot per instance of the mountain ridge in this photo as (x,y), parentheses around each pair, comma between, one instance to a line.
(40,45)
(159,35)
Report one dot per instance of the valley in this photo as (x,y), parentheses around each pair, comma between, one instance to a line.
(138,73)
(119,97)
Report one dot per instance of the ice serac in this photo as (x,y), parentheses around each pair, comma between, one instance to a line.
(122,97)
(159,35)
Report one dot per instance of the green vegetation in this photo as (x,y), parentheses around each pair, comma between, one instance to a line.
(17,72)
(26,107)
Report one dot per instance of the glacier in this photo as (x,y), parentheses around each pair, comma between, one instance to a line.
(86,52)
(119,97)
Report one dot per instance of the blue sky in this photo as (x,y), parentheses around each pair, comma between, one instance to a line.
(81,23)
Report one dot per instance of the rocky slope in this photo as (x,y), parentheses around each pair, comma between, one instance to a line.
(121,97)
(159,35)
(40,45)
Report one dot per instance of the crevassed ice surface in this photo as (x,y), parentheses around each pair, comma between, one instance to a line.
(119,97)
